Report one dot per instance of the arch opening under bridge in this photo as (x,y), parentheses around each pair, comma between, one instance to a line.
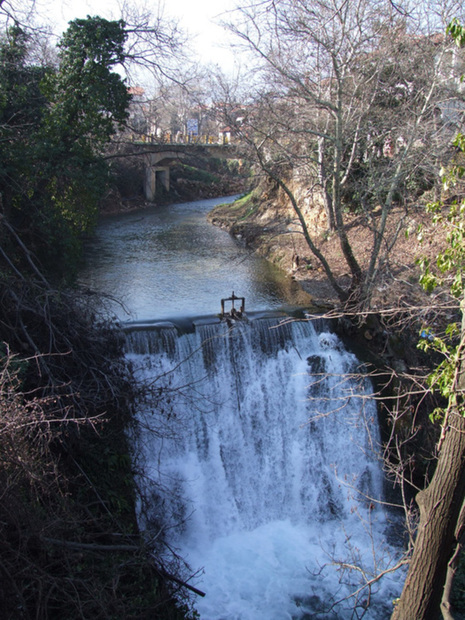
(159,158)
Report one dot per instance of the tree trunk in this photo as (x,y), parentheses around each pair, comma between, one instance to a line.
(452,568)
(440,510)
(341,293)
(346,247)
(323,179)
(440,506)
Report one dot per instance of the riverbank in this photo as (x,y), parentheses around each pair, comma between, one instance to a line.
(268,225)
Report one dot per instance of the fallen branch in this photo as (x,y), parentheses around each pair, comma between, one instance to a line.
(112,548)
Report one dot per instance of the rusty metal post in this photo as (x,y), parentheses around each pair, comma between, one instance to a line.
(233,311)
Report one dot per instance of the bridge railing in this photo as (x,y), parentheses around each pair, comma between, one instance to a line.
(169,138)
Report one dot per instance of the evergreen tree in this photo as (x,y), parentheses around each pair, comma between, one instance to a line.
(55,124)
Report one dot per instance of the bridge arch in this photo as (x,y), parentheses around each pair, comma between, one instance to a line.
(158,158)
(157,171)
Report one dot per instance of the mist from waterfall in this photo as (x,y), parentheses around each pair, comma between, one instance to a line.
(263,444)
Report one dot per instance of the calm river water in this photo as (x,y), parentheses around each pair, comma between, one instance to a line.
(169,262)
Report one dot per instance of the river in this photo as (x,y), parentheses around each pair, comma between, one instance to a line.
(169,262)
(258,439)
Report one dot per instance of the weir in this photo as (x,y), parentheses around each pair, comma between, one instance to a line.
(263,446)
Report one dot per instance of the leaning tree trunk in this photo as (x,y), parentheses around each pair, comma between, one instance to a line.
(440,517)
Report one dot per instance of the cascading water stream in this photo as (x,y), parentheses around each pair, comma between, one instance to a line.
(266,466)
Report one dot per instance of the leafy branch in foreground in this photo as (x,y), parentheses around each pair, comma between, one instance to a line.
(440,535)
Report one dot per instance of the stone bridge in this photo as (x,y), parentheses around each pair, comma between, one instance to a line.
(159,157)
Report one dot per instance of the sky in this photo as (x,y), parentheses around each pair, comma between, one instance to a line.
(196,16)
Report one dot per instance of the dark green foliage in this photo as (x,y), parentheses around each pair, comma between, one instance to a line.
(87,97)
(21,109)
(55,124)
(21,101)
(458,594)
(128,177)
(69,542)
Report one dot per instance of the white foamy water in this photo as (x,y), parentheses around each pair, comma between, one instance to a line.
(266,458)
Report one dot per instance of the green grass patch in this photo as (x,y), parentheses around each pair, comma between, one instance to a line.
(195,174)
(246,203)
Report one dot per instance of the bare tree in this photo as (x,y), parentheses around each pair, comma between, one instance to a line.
(16,11)
(347,102)
(155,44)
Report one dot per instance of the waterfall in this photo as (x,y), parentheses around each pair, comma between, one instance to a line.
(264,451)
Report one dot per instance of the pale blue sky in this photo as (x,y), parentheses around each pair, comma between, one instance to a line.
(197,16)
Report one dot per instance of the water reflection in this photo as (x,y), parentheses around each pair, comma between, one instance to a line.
(170,262)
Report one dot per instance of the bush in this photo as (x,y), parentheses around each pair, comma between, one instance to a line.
(69,542)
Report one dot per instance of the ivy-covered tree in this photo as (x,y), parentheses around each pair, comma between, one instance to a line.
(88,99)
(55,124)
(441,530)
(69,540)
(22,105)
